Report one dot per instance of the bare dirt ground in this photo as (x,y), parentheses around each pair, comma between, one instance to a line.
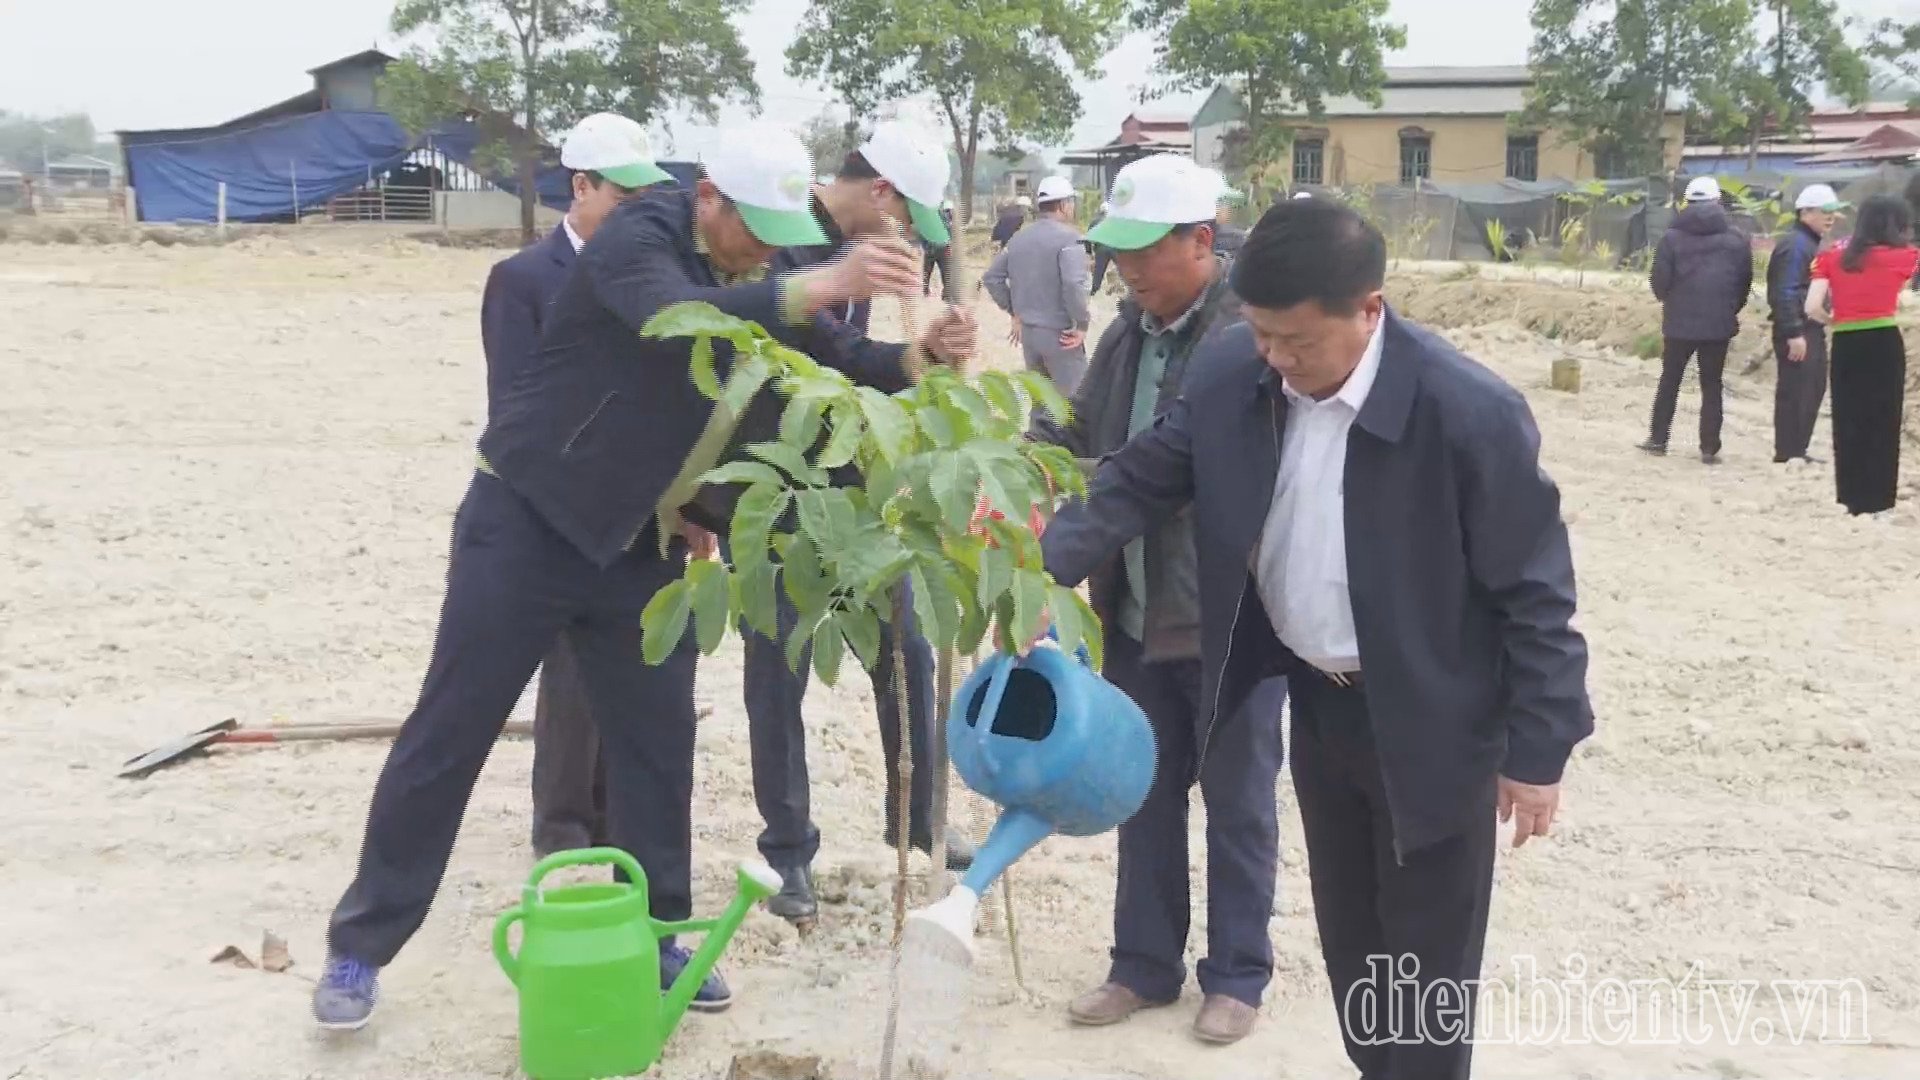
(228,480)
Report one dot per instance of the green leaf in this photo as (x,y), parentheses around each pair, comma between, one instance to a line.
(828,649)
(1092,632)
(1041,389)
(996,575)
(750,535)
(937,426)
(788,460)
(848,429)
(933,605)
(756,601)
(747,377)
(887,420)
(806,583)
(709,585)
(744,472)
(1029,604)
(970,404)
(861,627)
(1063,604)
(800,424)
(663,622)
(704,378)
(693,318)
(802,636)
(954,489)
(999,390)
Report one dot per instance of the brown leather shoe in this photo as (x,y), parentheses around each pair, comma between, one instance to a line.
(1108,1004)
(1223,1020)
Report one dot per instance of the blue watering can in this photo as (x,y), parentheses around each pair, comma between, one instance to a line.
(1057,747)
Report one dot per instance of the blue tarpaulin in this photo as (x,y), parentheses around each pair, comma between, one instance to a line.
(318,155)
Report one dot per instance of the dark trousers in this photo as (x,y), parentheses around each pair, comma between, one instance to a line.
(1152,907)
(514,585)
(1101,257)
(1673,368)
(569,776)
(1374,909)
(778,738)
(1798,389)
(936,258)
(1869,398)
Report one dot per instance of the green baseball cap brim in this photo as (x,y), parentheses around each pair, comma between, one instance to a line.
(781,228)
(928,223)
(638,175)
(1126,234)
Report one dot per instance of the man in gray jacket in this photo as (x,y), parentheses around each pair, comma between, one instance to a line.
(1149,602)
(1042,280)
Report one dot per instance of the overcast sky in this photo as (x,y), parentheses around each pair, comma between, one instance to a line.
(187,63)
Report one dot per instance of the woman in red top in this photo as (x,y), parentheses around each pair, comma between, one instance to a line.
(1857,287)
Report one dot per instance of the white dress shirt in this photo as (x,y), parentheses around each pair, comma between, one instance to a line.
(573,237)
(1301,562)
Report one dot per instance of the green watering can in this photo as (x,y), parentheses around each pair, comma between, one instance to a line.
(588,970)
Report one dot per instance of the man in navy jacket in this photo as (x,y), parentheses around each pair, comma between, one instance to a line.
(560,533)
(611,161)
(1372,521)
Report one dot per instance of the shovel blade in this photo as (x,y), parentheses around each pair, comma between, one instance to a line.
(162,756)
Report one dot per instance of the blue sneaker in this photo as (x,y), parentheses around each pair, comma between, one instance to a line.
(713,995)
(344,999)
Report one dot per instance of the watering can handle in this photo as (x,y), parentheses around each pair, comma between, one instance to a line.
(597,856)
(509,963)
(1080,653)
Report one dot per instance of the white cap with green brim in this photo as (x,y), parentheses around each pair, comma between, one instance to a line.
(766,170)
(914,161)
(615,147)
(1153,195)
(1819,197)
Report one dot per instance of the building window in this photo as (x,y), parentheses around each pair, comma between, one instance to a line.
(1523,157)
(1309,160)
(1610,162)
(1416,158)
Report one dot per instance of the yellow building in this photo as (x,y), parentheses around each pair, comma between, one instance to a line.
(1444,124)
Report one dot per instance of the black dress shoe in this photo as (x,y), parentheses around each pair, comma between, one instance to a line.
(795,901)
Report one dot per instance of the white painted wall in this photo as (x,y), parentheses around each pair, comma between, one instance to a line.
(490,210)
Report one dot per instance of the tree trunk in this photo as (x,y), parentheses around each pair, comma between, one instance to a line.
(529,142)
(968,155)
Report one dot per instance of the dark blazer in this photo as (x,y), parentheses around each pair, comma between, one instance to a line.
(520,290)
(1789,271)
(1461,575)
(601,420)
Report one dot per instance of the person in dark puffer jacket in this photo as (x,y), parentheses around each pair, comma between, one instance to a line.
(1702,275)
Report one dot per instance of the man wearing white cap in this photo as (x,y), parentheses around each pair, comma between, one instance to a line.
(1702,274)
(611,159)
(1160,226)
(1042,280)
(1799,344)
(562,532)
(894,182)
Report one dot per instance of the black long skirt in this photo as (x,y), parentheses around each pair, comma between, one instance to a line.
(1869,396)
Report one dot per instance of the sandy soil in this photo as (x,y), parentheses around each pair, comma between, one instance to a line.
(228,480)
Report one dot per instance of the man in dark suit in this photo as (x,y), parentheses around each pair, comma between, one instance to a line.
(1371,520)
(611,160)
(564,531)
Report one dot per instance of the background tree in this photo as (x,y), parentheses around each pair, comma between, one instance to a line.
(1003,68)
(1286,57)
(1607,72)
(528,69)
(1798,48)
(1893,52)
(26,142)
(830,139)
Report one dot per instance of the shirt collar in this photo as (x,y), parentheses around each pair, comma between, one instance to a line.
(1353,393)
(1155,328)
(706,255)
(573,235)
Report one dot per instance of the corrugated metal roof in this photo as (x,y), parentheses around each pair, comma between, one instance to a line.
(1456,76)
(1436,99)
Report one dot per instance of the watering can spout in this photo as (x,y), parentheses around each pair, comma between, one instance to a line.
(757,881)
(1013,835)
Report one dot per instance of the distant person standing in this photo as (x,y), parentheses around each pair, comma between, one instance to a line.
(1102,254)
(1227,236)
(1799,343)
(1857,286)
(1041,279)
(1013,218)
(942,258)
(1702,273)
